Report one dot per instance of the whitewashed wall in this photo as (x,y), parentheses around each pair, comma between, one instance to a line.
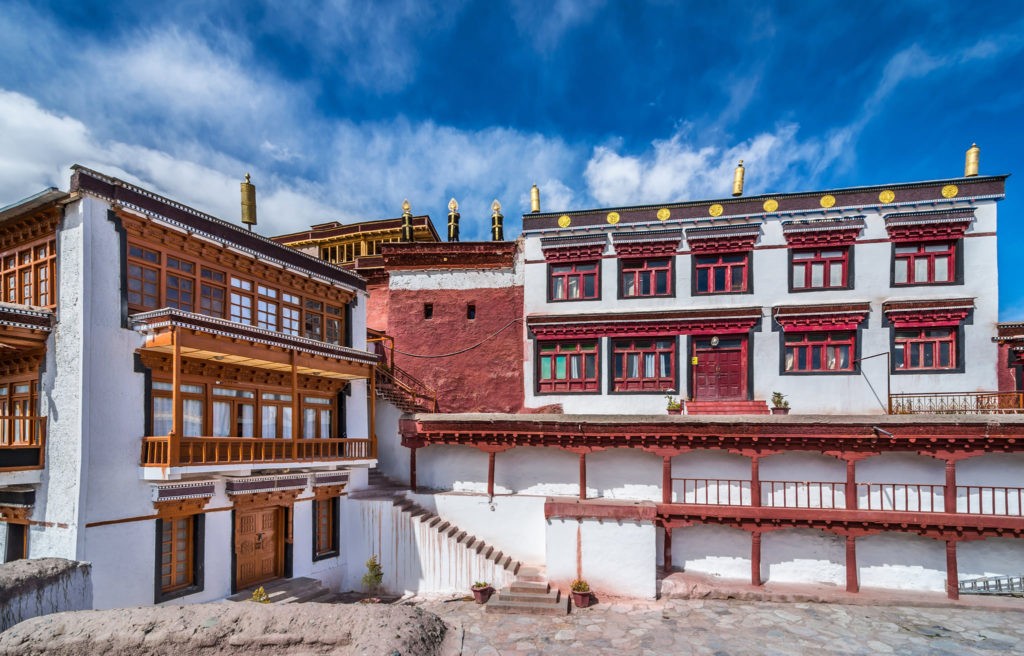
(392,457)
(615,557)
(901,561)
(715,550)
(803,556)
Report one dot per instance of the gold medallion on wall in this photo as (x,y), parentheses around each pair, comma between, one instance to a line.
(564,221)
(887,196)
(715,210)
(770,205)
(827,201)
(663,214)
(613,217)
(950,191)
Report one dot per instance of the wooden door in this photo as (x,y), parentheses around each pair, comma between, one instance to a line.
(720,373)
(259,552)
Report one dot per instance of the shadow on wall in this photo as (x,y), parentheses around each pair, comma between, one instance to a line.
(31,588)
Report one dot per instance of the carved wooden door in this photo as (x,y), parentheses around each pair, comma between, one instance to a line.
(258,546)
(720,373)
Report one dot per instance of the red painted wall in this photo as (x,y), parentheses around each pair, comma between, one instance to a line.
(1007,373)
(487,378)
(377,306)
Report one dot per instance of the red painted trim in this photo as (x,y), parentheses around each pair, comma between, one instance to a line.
(664,328)
(822,237)
(638,511)
(927,231)
(647,248)
(574,253)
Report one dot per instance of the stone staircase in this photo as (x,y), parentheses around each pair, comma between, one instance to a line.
(727,408)
(290,591)
(405,392)
(529,594)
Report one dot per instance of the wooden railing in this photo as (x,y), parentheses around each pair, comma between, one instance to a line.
(899,497)
(957,403)
(405,389)
(195,451)
(22,442)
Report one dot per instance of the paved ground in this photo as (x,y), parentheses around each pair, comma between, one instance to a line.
(734,628)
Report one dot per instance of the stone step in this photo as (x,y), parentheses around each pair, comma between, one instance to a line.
(529,587)
(549,597)
(527,607)
(529,573)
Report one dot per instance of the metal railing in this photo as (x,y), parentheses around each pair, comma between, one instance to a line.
(828,495)
(994,585)
(194,451)
(957,403)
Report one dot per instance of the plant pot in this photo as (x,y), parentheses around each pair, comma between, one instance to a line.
(481,595)
(780,411)
(675,411)
(581,599)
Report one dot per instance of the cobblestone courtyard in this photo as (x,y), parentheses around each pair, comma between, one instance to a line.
(734,628)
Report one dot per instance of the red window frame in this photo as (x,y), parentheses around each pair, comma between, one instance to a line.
(805,262)
(819,351)
(919,263)
(649,276)
(644,365)
(570,273)
(721,273)
(925,349)
(557,362)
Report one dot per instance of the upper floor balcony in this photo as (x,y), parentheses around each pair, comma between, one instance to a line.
(233,398)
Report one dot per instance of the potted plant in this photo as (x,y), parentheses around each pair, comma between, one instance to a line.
(674,405)
(482,591)
(780,406)
(581,596)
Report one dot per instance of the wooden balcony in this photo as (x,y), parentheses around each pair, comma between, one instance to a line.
(22,442)
(828,495)
(234,451)
(957,403)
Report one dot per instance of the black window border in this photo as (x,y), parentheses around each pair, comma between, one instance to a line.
(198,561)
(336,529)
(958,264)
(850,282)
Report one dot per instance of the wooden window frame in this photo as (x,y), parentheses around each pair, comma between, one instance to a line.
(139,260)
(925,343)
(827,339)
(953,250)
(195,554)
(818,257)
(33,258)
(326,544)
(569,385)
(210,282)
(17,547)
(573,273)
(323,403)
(185,274)
(703,262)
(641,268)
(623,348)
(291,314)
(240,291)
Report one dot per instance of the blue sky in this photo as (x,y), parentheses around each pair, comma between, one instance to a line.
(342,109)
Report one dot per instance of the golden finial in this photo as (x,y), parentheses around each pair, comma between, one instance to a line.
(497,231)
(406,207)
(971,163)
(534,200)
(495,207)
(453,205)
(737,180)
(248,202)
(453,220)
(407,229)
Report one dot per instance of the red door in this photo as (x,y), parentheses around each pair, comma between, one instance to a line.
(720,373)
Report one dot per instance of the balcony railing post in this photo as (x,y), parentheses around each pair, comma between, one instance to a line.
(296,409)
(851,484)
(949,494)
(178,416)
(755,481)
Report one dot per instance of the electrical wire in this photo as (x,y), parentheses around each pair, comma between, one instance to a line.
(468,348)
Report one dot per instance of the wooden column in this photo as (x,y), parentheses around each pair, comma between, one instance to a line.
(296,408)
(490,474)
(178,412)
(755,558)
(852,584)
(851,490)
(666,479)
(372,427)
(667,555)
(583,476)
(755,483)
(949,495)
(952,573)
(412,469)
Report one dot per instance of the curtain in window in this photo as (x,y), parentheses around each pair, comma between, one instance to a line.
(649,368)
(163,415)
(325,423)
(633,365)
(574,367)
(246,415)
(308,423)
(221,419)
(559,290)
(268,421)
(193,416)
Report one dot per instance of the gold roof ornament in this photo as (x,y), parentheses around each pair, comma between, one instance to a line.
(408,234)
(497,230)
(495,208)
(971,161)
(453,206)
(406,207)
(737,180)
(248,202)
(534,200)
(453,220)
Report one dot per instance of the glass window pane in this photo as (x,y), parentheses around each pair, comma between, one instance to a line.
(325,423)
(221,419)
(945,354)
(661,282)
(308,423)
(942,268)
(798,276)
(246,415)
(901,271)
(789,358)
(702,280)
(720,279)
(268,421)
(193,418)
(835,274)
(921,270)
(558,288)
(590,363)
(573,287)
(816,358)
(627,285)
(737,279)
(589,286)
(545,368)
(163,415)
(560,367)
(818,274)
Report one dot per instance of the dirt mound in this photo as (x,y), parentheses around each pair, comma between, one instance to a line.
(236,628)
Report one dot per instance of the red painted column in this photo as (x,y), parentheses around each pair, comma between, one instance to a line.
(755,558)
(412,469)
(490,474)
(666,479)
(667,556)
(851,488)
(583,477)
(949,497)
(852,584)
(755,481)
(952,573)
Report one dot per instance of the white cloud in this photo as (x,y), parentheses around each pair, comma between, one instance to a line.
(545,22)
